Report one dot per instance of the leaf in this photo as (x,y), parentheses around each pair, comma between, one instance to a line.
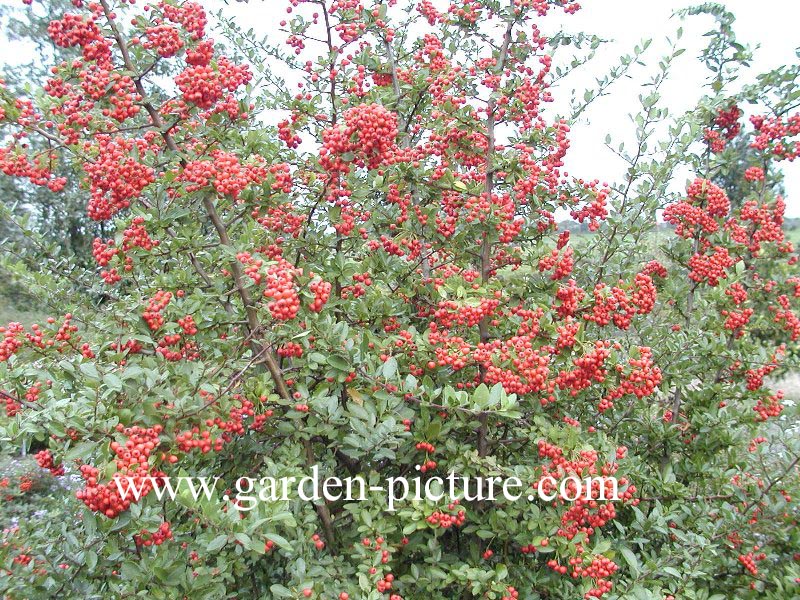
(83,450)
(130,571)
(481,396)
(279,541)
(359,412)
(390,368)
(217,543)
(411,527)
(355,396)
(672,571)
(316,357)
(257,547)
(112,382)
(279,591)
(411,383)
(631,559)
(90,370)
(338,363)
(496,394)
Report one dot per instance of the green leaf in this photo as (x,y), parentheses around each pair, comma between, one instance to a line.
(338,363)
(279,591)
(672,571)
(631,559)
(217,543)
(279,541)
(130,571)
(481,396)
(390,368)
(112,382)
(433,430)
(90,370)
(316,357)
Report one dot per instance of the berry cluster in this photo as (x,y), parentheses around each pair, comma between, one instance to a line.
(153,538)
(594,210)
(749,560)
(115,177)
(290,349)
(164,39)
(755,377)
(11,341)
(367,139)
(711,268)
(322,291)
(134,236)
(774,136)
(224,173)
(698,213)
(758,223)
(769,405)
(445,520)
(205,85)
(737,319)
(201,54)
(188,325)
(131,462)
(152,314)
(16,164)
(754,174)
(75,30)
(785,315)
(726,127)
(45,460)
(560,263)
(641,381)
(190,15)
(285,301)
(618,306)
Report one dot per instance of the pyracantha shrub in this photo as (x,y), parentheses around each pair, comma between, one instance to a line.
(383,285)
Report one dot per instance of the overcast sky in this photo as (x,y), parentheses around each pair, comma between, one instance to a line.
(770,24)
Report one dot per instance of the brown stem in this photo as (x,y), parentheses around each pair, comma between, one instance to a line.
(406,144)
(323,512)
(772,483)
(236,269)
(332,53)
(676,398)
(24,403)
(485,254)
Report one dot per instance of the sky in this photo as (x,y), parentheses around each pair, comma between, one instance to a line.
(769,26)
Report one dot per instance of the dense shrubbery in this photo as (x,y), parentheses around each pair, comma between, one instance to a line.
(379,284)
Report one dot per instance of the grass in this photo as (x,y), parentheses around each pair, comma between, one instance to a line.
(10,312)
(794,235)
(790,385)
